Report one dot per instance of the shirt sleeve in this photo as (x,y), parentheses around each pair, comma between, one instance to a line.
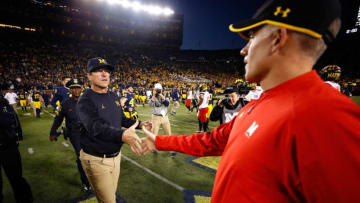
(127,122)
(55,98)
(60,114)
(94,124)
(328,154)
(166,102)
(197,144)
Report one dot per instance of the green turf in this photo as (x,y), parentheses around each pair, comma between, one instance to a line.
(356,99)
(52,173)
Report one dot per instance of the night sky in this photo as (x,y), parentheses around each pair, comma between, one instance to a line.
(206,22)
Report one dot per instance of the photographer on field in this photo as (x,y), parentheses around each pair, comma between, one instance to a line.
(228,107)
(159,109)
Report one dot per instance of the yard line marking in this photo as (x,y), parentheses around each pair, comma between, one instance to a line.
(176,186)
(49,113)
(30,150)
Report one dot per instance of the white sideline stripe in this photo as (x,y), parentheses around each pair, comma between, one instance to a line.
(178,187)
(49,113)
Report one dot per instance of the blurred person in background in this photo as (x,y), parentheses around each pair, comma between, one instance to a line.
(22,98)
(60,93)
(175,95)
(37,102)
(227,108)
(11,96)
(331,75)
(10,158)
(67,111)
(159,110)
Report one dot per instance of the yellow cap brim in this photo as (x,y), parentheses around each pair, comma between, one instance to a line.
(243,30)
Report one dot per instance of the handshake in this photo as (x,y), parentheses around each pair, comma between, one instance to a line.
(140,146)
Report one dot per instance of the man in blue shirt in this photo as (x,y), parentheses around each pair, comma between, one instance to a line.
(61,93)
(102,135)
(175,95)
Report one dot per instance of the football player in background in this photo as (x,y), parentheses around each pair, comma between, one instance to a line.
(331,75)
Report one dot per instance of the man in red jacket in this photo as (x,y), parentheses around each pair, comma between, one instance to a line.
(300,141)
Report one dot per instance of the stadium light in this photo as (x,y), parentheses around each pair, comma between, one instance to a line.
(137,6)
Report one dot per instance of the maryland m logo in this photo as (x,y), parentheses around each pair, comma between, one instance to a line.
(250,131)
(102,61)
(283,12)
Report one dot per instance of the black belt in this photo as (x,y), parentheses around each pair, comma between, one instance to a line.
(102,155)
(159,115)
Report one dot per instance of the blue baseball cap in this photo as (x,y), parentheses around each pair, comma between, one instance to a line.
(95,63)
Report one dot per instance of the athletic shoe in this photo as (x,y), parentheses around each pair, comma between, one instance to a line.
(86,188)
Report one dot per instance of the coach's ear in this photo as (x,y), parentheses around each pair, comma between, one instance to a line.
(279,38)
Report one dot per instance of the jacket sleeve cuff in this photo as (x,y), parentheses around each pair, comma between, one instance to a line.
(138,127)
(162,143)
(119,140)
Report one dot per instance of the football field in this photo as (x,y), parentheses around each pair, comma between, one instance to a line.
(51,170)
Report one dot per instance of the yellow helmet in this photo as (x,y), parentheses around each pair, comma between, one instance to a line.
(330,72)
(237,81)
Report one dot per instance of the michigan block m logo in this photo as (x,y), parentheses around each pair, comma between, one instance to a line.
(102,61)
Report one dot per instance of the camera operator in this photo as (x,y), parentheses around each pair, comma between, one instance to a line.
(10,160)
(228,107)
(159,109)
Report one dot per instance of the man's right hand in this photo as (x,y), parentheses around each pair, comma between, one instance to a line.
(129,137)
(148,141)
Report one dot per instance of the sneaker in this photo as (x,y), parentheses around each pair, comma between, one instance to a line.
(154,152)
(173,154)
(86,188)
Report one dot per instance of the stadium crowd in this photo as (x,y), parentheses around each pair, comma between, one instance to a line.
(42,64)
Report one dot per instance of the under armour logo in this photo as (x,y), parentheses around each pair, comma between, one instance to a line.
(102,61)
(250,131)
(283,12)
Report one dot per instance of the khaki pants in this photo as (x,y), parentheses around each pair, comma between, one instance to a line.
(103,175)
(14,107)
(163,121)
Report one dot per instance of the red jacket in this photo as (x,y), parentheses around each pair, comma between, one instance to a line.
(300,142)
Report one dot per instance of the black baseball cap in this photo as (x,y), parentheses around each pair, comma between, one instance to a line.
(74,83)
(311,17)
(98,62)
(231,89)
